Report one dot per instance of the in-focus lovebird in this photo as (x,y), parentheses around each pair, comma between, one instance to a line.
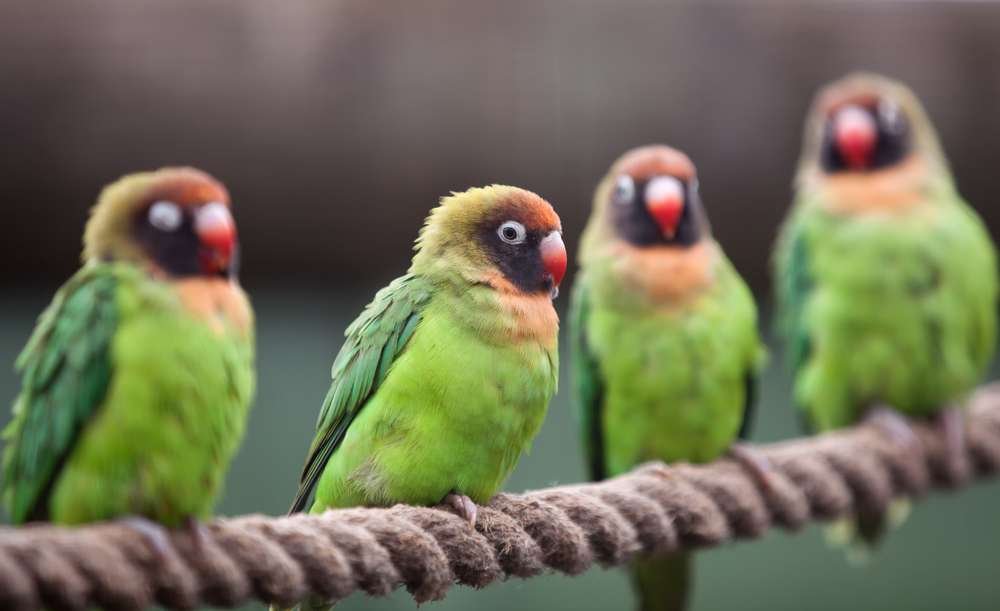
(136,382)
(886,278)
(666,350)
(445,377)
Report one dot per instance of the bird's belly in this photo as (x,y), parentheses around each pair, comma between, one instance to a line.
(893,352)
(444,420)
(172,419)
(675,389)
(899,310)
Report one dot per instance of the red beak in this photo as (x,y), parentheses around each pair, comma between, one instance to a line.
(855,133)
(554,257)
(665,203)
(217,232)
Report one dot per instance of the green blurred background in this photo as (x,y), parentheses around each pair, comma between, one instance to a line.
(337,125)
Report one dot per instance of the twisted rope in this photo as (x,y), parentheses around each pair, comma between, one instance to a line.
(568,529)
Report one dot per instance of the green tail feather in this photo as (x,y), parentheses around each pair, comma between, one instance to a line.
(860,536)
(662,582)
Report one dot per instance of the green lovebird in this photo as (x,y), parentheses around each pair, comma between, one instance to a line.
(136,382)
(886,279)
(445,378)
(666,350)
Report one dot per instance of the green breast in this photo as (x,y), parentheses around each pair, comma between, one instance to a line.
(454,414)
(900,309)
(674,377)
(171,420)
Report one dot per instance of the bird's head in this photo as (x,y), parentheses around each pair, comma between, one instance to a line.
(651,198)
(865,123)
(177,221)
(501,236)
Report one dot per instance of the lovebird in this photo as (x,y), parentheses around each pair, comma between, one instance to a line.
(445,378)
(137,380)
(666,350)
(886,278)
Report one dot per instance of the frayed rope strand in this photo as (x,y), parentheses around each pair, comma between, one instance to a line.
(567,529)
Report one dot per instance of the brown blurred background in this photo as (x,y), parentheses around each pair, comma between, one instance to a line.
(338,124)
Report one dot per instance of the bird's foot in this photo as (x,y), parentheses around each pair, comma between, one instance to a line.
(153,534)
(951,422)
(893,425)
(462,504)
(755,463)
(198,533)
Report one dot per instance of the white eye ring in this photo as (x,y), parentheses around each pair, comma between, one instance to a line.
(624,189)
(512,232)
(165,216)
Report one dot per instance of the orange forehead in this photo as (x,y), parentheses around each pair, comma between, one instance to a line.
(654,160)
(835,100)
(187,187)
(530,209)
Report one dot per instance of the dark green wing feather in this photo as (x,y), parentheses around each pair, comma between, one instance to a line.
(587,382)
(749,405)
(373,341)
(794,283)
(65,369)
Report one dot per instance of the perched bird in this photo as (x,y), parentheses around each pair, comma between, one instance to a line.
(666,350)
(138,377)
(445,378)
(886,278)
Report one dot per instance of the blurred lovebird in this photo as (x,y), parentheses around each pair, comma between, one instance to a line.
(138,377)
(445,377)
(886,278)
(666,350)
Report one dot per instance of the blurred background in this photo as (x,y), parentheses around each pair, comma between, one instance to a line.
(338,124)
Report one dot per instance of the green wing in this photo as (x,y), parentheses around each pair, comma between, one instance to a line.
(587,381)
(65,369)
(794,283)
(373,341)
(749,404)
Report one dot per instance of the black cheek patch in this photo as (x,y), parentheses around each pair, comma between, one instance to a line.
(634,224)
(892,147)
(175,251)
(521,264)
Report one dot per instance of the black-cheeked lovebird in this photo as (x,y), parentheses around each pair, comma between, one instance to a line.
(886,278)
(666,349)
(137,380)
(445,378)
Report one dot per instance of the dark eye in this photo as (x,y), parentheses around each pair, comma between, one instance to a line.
(624,190)
(512,232)
(165,216)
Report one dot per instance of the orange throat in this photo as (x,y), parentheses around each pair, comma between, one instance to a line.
(527,317)
(894,190)
(666,274)
(219,303)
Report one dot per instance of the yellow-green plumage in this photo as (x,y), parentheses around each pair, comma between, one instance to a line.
(439,388)
(665,351)
(886,279)
(888,309)
(674,377)
(131,404)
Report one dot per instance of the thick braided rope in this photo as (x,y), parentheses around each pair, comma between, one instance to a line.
(567,529)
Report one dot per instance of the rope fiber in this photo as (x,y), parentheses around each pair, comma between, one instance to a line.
(567,529)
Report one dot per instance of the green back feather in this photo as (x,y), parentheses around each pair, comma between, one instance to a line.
(373,342)
(793,284)
(587,381)
(65,369)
